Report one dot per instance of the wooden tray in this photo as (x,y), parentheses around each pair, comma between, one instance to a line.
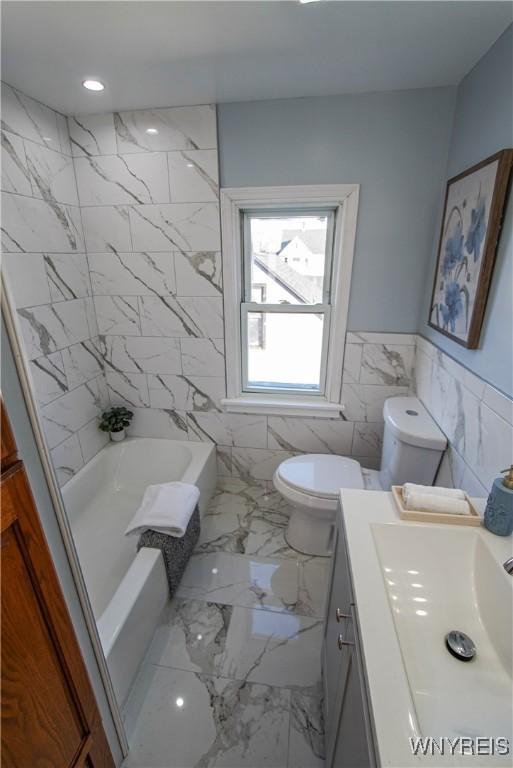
(417,516)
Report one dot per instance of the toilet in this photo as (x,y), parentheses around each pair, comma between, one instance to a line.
(412,450)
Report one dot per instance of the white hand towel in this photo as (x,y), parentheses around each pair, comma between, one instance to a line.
(430,502)
(166,508)
(452,493)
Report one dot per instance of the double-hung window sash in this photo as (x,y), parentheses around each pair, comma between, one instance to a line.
(294,329)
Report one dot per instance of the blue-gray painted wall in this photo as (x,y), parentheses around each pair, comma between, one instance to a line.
(393,144)
(483,124)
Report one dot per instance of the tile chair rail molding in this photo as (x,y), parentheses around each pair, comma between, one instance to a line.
(343,200)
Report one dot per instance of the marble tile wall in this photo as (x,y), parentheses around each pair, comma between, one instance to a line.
(476,418)
(47,277)
(376,366)
(149,195)
(112,252)
(148,190)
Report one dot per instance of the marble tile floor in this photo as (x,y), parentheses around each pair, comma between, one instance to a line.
(233,676)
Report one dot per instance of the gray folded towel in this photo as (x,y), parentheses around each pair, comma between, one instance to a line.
(176,552)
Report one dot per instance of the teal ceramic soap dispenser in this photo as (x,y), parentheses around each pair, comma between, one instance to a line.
(498,516)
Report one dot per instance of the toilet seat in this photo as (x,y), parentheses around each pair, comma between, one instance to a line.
(311,483)
(319,475)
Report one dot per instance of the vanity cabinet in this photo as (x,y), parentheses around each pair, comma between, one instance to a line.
(348,724)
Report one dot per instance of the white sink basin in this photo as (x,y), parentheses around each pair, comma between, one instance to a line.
(440,578)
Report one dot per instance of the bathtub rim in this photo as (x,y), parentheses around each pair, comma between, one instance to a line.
(196,449)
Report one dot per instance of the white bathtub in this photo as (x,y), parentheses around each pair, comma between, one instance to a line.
(128,589)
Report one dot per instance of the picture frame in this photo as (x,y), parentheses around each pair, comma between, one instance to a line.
(472,218)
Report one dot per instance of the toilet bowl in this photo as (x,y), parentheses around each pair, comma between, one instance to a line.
(412,449)
(311,484)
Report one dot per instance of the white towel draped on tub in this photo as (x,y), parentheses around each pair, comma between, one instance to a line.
(166,508)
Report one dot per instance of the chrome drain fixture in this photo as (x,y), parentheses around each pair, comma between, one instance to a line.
(460,645)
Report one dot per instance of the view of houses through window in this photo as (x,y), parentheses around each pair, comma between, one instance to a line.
(287,265)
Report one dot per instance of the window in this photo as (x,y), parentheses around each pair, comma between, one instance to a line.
(286,302)
(256,327)
(287,259)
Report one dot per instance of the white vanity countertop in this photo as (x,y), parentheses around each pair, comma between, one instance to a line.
(395,715)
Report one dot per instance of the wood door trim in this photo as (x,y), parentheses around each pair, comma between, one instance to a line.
(8,515)
(16,481)
(83,752)
(9,450)
(19,513)
(46,586)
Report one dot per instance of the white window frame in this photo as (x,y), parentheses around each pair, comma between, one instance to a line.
(323,308)
(343,198)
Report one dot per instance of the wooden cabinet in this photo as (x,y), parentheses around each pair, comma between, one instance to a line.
(349,739)
(49,713)
(9,453)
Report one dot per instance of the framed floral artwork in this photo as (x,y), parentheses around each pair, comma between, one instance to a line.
(471,224)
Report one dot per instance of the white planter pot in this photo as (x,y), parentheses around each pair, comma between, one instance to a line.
(117,437)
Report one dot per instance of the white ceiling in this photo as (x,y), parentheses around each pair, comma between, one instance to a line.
(152,54)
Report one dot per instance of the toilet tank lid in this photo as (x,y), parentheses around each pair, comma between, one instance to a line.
(410,422)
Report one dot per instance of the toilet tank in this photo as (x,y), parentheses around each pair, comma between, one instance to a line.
(413,444)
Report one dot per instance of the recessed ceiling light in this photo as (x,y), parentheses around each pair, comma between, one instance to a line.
(151,130)
(305,2)
(93,85)
(190,165)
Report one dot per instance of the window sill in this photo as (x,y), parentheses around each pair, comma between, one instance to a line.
(273,406)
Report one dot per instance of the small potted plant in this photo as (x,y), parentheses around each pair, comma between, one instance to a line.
(114,420)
